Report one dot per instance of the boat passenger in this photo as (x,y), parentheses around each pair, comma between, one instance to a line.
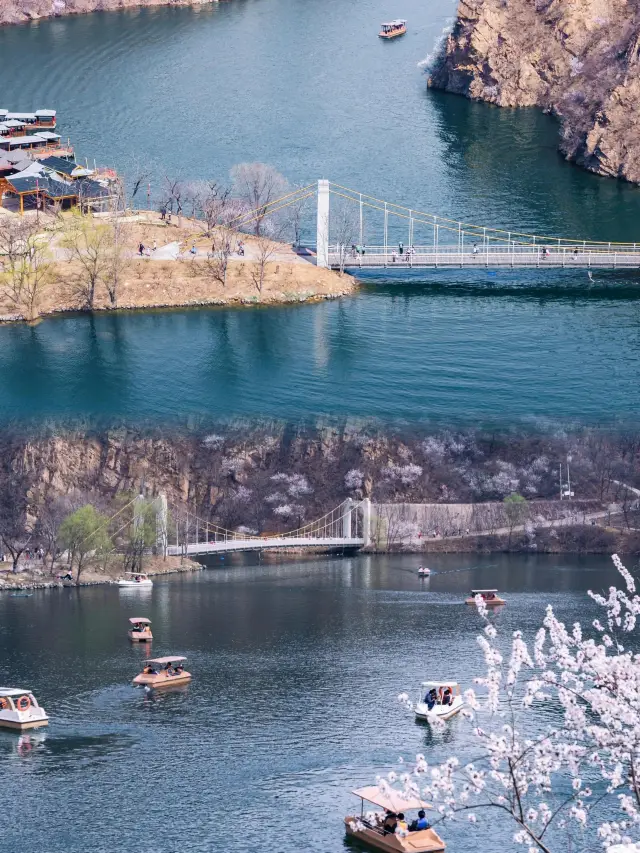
(178,669)
(390,823)
(430,699)
(447,697)
(402,827)
(420,823)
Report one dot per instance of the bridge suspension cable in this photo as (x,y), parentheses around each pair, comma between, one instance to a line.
(457,226)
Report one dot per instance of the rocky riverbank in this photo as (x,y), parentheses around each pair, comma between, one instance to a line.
(432,489)
(578,59)
(38,577)
(22,11)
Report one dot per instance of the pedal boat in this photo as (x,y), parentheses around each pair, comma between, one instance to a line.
(424,571)
(441,710)
(19,710)
(140,630)
(489,596)
(136,579)
(392,29)
(367,828)
(163,672)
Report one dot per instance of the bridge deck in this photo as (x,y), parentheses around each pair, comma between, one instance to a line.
(263,544)
(495,257)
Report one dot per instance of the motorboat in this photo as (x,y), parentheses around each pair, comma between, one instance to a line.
(140,630)
(19,710)
(135,579)
(372,828)
(393,29)
(424,571)
(438,700)
(163,672)
(489,596)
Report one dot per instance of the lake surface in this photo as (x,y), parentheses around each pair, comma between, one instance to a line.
(310,88)
(296,668)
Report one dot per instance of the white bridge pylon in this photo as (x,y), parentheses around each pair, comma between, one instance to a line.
(367,233)
(181,532)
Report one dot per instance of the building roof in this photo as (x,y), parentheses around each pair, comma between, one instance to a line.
(33,139)
(22,116)
(59,164)
(44,113)
(43,184)
(47,134)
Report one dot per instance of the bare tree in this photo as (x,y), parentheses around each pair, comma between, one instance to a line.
(265,247)
(344,228)
(139,171)
(174,196)
(15,528)
(90,244)
(118,256)
(224,242)
(295,213)
(258,185)
(26,265)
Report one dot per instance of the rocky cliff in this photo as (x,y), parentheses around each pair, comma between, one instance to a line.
(20,11)
(576,58)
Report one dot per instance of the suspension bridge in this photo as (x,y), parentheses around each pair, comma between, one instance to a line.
(180,532)
(356,230)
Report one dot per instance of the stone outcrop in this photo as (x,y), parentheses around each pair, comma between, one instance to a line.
(579,59)
(21,11)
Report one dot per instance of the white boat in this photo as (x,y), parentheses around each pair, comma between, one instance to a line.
(424,572)
(438,700)
(135,579)
(19,710)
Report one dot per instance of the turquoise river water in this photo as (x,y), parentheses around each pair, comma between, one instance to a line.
(310,88)
(296,672)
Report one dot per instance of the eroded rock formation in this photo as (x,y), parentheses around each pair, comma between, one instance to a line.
(579,59)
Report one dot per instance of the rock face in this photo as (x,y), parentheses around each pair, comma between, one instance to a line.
(579,59)
(20,11)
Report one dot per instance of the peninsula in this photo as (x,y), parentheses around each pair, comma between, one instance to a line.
(576,60)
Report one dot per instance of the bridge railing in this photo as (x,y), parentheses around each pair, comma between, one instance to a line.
(479,254)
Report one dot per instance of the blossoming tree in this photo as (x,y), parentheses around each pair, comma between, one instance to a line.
(581,777)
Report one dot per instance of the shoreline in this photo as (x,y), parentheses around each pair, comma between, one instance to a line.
(31,583)
(12,14)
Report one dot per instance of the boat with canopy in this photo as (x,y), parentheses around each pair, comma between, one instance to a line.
(393,29)
(163,672)
(20,710)
(376,828)
(135,579)
(438,700)
(489,596)
(140,630)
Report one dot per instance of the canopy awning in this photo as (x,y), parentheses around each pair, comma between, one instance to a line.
(391,799)
(480,591)
(169,659)
(140,620)
(436,685)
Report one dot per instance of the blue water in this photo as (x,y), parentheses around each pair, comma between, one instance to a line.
(310,88)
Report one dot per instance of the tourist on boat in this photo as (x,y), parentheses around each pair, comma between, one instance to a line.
(178,669)
(390,823)
(431,698)
(421,822)
(447,696)
(402,827)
